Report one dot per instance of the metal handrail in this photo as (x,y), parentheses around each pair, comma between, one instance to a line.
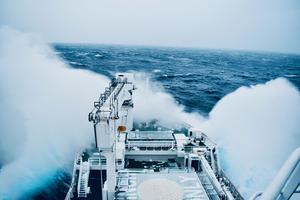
(93,115)
(230,185)
(70,191)
(150,144)
(289,171)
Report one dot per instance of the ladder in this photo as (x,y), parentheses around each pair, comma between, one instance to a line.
(83,179)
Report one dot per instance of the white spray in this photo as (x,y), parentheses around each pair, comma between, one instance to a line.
(44,107)
(151,102)
(255,127)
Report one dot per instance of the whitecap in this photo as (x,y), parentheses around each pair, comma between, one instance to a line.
(290,75)
(98,55)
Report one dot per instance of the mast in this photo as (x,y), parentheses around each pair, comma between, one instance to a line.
(111,114)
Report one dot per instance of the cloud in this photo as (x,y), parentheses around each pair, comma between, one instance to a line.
(261,25)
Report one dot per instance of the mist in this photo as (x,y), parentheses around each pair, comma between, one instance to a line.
(44,107)
(269,25)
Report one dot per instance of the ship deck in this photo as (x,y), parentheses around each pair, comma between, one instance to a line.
(133,184)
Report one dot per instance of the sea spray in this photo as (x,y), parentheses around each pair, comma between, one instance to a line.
(256,128)
(152,102)
(44,106)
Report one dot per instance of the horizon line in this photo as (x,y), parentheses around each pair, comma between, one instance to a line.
(180,47)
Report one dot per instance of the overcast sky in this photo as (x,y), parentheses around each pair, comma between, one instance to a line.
(269,25)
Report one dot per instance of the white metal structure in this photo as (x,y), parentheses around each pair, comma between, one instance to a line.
(286,184)
(112,111)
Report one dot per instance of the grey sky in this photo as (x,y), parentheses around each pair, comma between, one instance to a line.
(271,25)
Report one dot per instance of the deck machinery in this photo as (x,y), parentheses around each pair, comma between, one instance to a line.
(153,164)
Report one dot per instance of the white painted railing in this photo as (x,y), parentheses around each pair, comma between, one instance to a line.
(151,144)
(286,181)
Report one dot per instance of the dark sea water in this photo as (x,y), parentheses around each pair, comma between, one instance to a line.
(196,78)
(204,75)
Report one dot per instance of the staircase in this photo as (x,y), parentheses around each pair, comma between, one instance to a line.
(83,179)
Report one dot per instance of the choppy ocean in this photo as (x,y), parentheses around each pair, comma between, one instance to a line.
(196,78)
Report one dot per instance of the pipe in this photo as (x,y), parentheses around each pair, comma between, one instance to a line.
(216,184)
(95,132)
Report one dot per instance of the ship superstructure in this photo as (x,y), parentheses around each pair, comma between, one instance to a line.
(129,163)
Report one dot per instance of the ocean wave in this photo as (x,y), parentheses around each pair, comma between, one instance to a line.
(156,71)
(82,53)
(98,55)
(184,59)
(291,75)
(76,63)
(176,75)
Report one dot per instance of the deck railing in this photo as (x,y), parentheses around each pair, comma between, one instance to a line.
(287,181)
(152,144)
